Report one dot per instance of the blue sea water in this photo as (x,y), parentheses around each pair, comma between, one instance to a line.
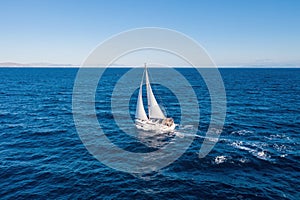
(257,156)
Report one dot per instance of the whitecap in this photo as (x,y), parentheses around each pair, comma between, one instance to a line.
(241,132)
(220,159)
(259,153)
(280,147)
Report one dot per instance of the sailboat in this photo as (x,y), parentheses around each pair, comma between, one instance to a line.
(156,119)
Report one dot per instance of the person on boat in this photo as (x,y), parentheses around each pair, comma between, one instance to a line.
(168,122)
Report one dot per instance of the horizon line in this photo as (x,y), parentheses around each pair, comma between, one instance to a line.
(135,66)
(68,65)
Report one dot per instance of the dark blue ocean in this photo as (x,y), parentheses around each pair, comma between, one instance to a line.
(256,157)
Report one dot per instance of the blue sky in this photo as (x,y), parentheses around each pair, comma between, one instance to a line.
(234,32)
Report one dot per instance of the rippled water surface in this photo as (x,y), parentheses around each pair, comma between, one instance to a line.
(257,156)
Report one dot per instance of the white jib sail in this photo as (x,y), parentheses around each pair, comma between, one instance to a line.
(140,112)
(153,107)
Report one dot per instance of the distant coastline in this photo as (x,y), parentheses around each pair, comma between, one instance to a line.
(41,64)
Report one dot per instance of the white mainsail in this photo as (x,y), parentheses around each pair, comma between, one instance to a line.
(140,110)
(153,107)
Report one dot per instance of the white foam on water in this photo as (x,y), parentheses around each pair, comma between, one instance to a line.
(220,159)
(256,151)
(241,132)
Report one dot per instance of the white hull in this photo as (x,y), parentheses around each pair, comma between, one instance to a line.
(154,125)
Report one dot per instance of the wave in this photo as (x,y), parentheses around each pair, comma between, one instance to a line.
(220,159)
(257,152)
